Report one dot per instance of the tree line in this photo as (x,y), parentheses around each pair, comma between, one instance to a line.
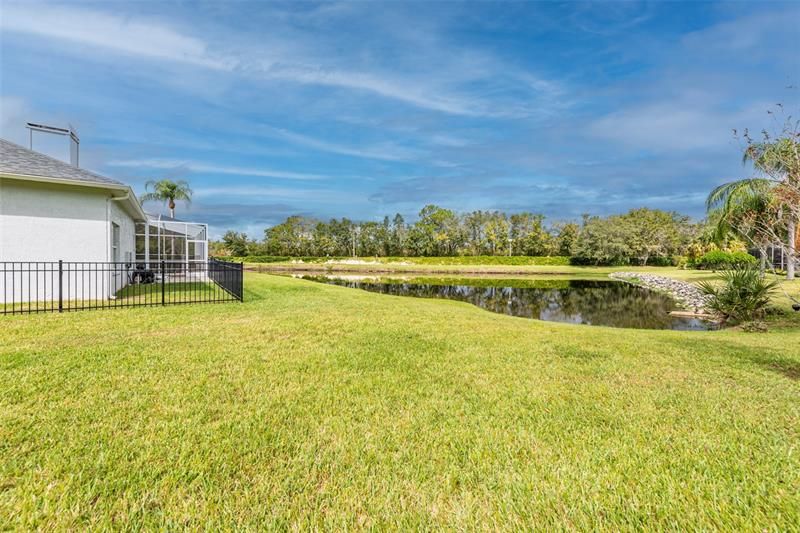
(640,236)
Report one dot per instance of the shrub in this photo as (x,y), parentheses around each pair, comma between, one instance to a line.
(719,260)
(743,295)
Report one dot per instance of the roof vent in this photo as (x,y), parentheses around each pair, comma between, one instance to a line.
(74,141)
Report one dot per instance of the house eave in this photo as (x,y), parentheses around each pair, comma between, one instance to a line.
(132,201)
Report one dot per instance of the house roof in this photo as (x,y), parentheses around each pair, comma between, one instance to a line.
(165,218)
(20,163)
(16,160)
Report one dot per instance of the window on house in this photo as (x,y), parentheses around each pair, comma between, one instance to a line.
(115,242)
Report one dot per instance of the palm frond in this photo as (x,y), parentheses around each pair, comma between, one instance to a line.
(737,191)
(150,197)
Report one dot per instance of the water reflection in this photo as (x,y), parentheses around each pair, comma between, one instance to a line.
(604,303)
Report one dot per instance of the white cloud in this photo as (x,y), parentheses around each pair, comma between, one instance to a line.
(402,90)
(215,169)
(388,151)
(101,30)
(252,192)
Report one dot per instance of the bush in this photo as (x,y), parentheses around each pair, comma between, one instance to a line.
(743,295)
(719,260)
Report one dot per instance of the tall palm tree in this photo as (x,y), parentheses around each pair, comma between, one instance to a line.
(779,161)
(167,191)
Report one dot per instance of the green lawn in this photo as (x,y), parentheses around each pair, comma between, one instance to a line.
(319,406)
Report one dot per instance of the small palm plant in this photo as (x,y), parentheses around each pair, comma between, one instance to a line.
(167,191)
(743,294)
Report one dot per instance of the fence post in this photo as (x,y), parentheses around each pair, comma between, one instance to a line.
(60,285)
(163,279)
(241,282)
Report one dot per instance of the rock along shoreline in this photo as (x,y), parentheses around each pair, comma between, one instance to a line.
(687,295)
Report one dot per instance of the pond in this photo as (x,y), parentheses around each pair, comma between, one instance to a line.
(575,301)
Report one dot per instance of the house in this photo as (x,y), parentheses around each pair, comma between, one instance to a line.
(53,211)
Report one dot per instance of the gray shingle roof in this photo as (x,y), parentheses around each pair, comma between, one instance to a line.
(14,159)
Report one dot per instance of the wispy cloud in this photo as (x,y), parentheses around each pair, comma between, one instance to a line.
(387,152)
(407,91)
(194,166)
(257,192)
(102,30)
(676,125)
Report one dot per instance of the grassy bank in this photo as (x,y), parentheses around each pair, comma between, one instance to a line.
(451,260)
(440,266)
(318,406)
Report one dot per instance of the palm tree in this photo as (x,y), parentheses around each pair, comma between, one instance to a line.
(741,208)
(779,160)
(752,197)
(167,191)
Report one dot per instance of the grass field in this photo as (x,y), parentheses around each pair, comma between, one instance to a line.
(312,405)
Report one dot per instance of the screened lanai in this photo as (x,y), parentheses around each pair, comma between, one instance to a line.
(173,241)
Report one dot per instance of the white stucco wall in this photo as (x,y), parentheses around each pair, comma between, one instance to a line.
(48,222)
(127,232)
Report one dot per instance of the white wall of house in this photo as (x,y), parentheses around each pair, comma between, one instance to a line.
(48,222)
(127,232)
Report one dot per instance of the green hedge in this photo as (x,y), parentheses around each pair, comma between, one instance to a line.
(719,260)
(657,261)
(274,259)
(458,260)
(517,260)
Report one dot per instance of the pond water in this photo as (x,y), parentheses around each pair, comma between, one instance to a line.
(602,303)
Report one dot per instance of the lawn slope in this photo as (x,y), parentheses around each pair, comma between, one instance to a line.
(319,406)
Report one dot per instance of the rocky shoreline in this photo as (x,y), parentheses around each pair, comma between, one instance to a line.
(687,295)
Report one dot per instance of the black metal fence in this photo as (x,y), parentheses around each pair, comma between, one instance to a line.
(57,286)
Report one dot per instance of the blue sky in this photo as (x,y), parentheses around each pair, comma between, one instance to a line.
(364,109)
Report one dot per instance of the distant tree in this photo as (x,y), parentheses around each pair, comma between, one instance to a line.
(217,249)
(167,191)
(344,233)
(637,236)
(474,225)
(529,236)
(436,233)
(653,233)
(236,244)
(324,243)
(603,241)
(399,235)
(566,238)
(370,239)
(496,231)
(291,238)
